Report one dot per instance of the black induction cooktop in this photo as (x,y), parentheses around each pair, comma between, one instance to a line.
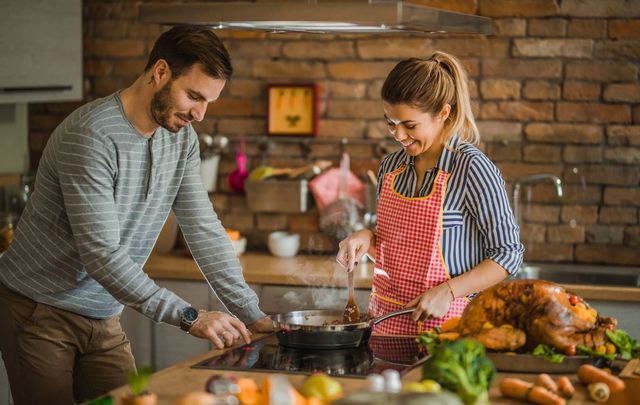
(379,354)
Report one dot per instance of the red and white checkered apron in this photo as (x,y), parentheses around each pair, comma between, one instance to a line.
(408,255)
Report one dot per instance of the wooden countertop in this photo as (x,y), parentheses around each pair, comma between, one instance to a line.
(172,383)
(263,268)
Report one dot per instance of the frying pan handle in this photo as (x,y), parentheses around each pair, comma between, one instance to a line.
(392,314)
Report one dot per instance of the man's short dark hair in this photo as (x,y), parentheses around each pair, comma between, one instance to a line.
(185,45)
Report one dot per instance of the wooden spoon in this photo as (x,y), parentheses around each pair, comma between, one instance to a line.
(351,311)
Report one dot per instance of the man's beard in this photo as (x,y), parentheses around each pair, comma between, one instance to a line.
(161,107)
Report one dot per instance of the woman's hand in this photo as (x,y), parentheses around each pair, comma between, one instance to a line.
(354,247)
(433,303)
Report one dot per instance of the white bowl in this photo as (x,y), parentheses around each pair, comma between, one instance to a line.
(240,245)
(283,244)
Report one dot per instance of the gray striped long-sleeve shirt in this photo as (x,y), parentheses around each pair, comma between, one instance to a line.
(101,196)
(477,221)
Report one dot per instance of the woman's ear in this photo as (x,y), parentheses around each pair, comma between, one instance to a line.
(444,113)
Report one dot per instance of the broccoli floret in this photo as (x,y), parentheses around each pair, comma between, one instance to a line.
(461,367)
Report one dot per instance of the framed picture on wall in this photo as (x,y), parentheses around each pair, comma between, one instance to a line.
(292,109)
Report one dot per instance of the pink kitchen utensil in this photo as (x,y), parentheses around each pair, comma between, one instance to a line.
(238,176)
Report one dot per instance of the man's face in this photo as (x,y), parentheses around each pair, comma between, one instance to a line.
(184,99)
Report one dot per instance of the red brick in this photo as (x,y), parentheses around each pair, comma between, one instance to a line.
(624,28)
(582,28)
(601,71)
(500,131)
(371,109)
(317,243)
(103,86)
(377,130)
(604,174)
(144,30)
(541,90)
(532,233)
(394,47)
(97,67)
(374,89)
(618,215)
(242,126)
(517,110)
(580,91)
(333,50)
(517,8)
(245,88)
(504,152)
(593,112)
(499,89)
(110,29)
(522,68)
(622,92)
(483,47)
(260,50)
(271,222)
(553,48)
(130,67)
(632,236)
(114,48)
(625,196)
(580,214)
(509,27)
(548,27)
(605,234)
(547,214)
(460,6)
(359,70)
(624,155)
(621,49)
(571,194)
(599,8)
(565,234)
(346,89)
(564,133)
(233,107)
(548,252)
(542,154)
(609,254)
(582,154)
(288,70)
(307,222)
(240,221)
(345,128)
(512,171)
(623,135)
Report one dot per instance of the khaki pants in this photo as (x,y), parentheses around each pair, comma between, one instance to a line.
(55,356)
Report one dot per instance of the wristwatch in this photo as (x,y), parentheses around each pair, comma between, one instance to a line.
(189,317)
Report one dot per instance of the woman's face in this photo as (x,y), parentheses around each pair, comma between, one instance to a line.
(415,130)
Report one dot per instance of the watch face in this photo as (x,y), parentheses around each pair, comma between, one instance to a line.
(190,314)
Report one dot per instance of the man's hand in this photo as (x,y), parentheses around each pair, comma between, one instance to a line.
(263,325)
(221,329)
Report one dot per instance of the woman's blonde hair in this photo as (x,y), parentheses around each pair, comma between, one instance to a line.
(429,84)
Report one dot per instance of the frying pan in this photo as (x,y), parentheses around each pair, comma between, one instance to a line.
(314,329)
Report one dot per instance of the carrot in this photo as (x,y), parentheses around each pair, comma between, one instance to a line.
(519,389)
(450,325)
(543,396)
(565,387)
(545,381)
(589,374)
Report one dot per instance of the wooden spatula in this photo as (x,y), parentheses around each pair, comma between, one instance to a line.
(351,311)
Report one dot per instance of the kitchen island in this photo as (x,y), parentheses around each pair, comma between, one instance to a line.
(174,382)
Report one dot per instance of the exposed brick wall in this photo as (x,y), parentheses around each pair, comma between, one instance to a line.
(555,89)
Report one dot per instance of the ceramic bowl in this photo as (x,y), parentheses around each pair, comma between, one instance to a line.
(283,244)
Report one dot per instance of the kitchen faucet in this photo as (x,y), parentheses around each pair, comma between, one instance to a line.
(534,178)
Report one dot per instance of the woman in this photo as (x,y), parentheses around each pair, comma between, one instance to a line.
(445,229)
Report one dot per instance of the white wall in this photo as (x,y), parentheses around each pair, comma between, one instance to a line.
(14,138)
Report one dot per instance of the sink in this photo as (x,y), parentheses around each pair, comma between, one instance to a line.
(582,274)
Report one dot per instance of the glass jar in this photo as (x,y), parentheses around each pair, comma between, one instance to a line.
(7,225)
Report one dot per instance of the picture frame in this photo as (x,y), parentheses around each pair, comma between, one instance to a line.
(292,110)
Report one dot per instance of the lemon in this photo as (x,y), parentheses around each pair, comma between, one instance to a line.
(322,387)
(431,386)
(414,387)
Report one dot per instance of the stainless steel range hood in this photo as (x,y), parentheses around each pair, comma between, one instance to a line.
(321,17)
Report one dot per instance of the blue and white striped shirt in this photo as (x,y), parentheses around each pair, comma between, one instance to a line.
(477,221)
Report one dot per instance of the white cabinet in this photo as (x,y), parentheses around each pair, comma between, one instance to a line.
(40,50)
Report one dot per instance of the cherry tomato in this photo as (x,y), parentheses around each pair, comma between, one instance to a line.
(570,350)
(574,299)
(611,326)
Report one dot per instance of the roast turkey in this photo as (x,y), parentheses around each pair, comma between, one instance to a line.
(518,314)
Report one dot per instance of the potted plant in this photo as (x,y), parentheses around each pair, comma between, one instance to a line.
(138,381)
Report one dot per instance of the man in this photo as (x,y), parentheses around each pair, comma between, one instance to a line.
(109,176)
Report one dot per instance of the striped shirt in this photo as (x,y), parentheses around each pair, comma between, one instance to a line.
(477,220)
(101,197)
